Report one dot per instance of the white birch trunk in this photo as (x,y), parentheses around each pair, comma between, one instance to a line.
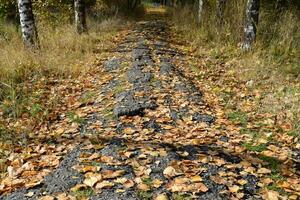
(80,16)
(28,28)
(200,8)
(250,29)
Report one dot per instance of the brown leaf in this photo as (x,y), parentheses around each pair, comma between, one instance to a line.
(128,184)
(109,174)
(271,195)
(143,187)
(234,189)
(47,198)
(104,185)
(263,171)
(201,187)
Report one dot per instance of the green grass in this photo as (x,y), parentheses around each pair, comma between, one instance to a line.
(84,193)
(277,177)
(87,97)
(108,113)
(239,117)
(295,133)
(147,181)
(274,187)
(145,195)
(7,136)
(272,163)
(13,104)
(256,148)
(118,89)
(195,69)
(255,134)
(75,118)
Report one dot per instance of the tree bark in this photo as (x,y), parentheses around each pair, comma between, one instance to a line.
(250,29)
(220,11)
(28,28)
(200,9)
(80,16)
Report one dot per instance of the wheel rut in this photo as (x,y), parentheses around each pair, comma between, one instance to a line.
(151,135)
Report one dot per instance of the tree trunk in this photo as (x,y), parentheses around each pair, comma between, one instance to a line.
(200,8)
(250,29)
(80,16)
(28,28)
(220,12)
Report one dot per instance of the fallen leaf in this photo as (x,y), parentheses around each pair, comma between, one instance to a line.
(46,198)
(242,182)
(129,130)
(90,181)
(201,187)
(128,184)
(104,185)
(161,197)
(157,183)
(234,189)
(263,171)
(143,187)
(196,179)
(170,172)
(29,194)
(109,174)
(271,195)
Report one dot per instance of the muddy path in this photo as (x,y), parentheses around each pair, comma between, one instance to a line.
(149,135)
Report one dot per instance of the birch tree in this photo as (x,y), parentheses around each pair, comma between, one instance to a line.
(28,27)
(200,9)
(80,16)
(250,29)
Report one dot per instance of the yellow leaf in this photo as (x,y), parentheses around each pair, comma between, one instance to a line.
(143,187)
(87,168)
(104,185)
(161,197)
(242,182)
(157,183)
(46,198)
(109,174)
(263,171)
(196,178)
(271,195)
(91,181)
(128,131)
(234,189)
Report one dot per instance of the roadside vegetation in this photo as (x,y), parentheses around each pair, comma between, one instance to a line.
(256,84)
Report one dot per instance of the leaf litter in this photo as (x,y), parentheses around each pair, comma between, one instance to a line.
(150,131)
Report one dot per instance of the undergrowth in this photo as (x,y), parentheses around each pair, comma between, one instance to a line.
(62,54)
(268,74)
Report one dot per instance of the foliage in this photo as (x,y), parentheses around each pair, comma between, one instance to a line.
(7,9)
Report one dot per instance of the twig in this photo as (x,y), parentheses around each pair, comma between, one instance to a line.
(5,84)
